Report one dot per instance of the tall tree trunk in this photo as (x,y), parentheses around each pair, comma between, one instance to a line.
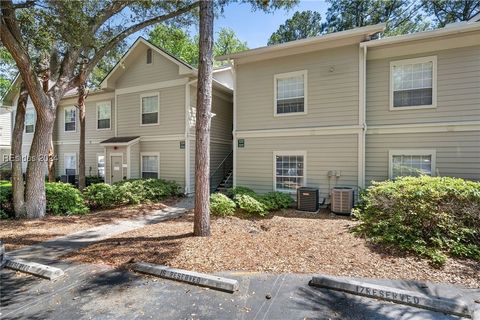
(82,95)
(204,106)
(51,151)
(18,186)
(37,164)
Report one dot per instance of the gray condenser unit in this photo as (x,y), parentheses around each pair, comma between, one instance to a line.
(307,199)
(342,200)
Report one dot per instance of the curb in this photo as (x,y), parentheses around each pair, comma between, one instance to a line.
(33,268)
(416,299)
(196,278)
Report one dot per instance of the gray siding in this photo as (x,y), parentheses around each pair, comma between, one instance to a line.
(255,166)
(140,73)
(457,153)
(172,159)
(171,113)
(458,89)
(222,122)
(135,161)
(332,90)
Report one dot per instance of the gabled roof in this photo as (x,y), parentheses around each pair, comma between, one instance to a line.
(183,67)
(330,40)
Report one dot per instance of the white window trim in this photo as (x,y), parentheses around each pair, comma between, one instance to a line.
(414,152)
(305,92)
(96,115)
(76,119)
(34,120)
(289,153)
(150,94)
(432,59)
(142,154)
(69,154)
(105,164)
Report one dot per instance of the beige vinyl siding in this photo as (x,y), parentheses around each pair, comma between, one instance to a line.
(255,164)
(91,151)
(458,89)
(135,161)
(91,163)
(171,113)
(138,72)
(457,153)
(222,122)
(332,97)
(172,159)
(6,129)
(60,151)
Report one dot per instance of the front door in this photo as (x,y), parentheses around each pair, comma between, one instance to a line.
(116,168)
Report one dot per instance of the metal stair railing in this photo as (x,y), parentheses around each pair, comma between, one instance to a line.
(221,171)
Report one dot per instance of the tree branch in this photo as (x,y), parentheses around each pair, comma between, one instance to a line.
(106,13)
(99,54)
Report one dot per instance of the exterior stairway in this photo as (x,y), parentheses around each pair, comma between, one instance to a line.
(222,177)
(226,183)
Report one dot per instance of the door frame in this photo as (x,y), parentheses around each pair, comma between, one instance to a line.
(115,154)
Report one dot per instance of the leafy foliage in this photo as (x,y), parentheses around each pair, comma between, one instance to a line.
(64,199)
(93,179)
(430,216)
(135,191)
(276,200)
(232,192)
(6,195)
(100,196)
(301,25)
(221,205)
(448,11)
(250,204)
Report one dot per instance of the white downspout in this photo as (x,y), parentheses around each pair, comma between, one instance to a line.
(234,133)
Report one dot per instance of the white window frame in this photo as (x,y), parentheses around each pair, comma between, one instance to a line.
(34,120)
(304,73)
(413,152)
(69,154)
(156,154)
(105,165)
(96,116)
(145,95)
(289,153)
(76,119)
(432,59)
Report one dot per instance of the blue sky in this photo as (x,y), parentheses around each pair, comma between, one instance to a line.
(256,27)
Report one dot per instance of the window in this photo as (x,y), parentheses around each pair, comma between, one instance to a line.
(70,164)
(411,163)
(150,166)
(413,83)
(289,171)
(101,165)
(149,56)
(290,93)
(104,114)
(30,121)
(149,104)
(70,119)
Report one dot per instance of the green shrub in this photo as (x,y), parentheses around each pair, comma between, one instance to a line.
(135,191)
(232,192)
(276,200)
(64,199)
(6,201)
(89,180)
(250,204)
(430,216)
(221,205)
(100,196)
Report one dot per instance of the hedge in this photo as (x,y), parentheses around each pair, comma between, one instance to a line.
(430,216)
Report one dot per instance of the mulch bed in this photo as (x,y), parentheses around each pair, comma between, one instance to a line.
(16,234)
(287,242)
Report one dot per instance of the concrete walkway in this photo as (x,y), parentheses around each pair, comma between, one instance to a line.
(48,251)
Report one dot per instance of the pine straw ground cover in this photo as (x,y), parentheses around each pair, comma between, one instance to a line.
(287,242)
(16,234)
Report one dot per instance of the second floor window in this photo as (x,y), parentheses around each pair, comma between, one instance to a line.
(412,83)
(30,121)
(104,114)
(70,119)
(290,93)
(149,109)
